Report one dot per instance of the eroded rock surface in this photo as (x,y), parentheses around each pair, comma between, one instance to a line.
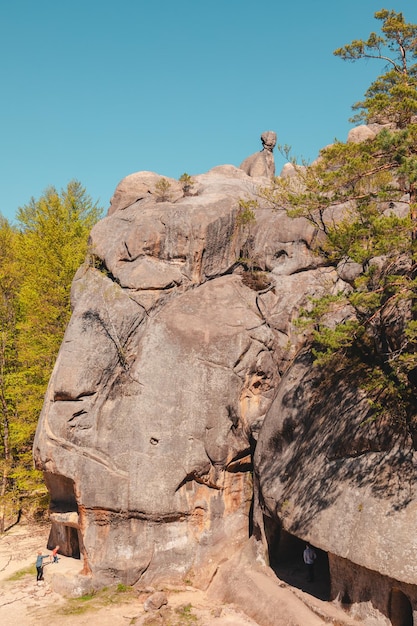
(262,164)
(168,367)
(334,475)
(181,358)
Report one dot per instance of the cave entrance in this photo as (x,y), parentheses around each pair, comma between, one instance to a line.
(286,559)
(64,515)
(66,537)
(400,610)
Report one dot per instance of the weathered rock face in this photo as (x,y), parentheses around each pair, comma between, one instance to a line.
(262,163)
(333,475)
(168,367)
(177,363)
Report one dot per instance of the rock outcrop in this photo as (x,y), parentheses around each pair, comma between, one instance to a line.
(262,163)
(181,366)
(167,369)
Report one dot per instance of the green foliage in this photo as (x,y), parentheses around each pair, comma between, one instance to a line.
(76,606)
(90,602)
(253,277)
(366,176)
(246,213)
(162,190)
(53,244)
(87,597)
(38,260)
(361,199)
(121,588)
(93,260)
(348,195)
(186,183)
(22,573)
(10,280)
(186,616)
(393,96)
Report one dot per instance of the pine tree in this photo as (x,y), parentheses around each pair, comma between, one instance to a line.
(392,98)
(361,198)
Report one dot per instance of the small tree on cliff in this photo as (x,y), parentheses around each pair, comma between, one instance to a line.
(361,198)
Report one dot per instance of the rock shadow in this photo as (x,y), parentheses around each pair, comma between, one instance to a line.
(286,560)
(321,436)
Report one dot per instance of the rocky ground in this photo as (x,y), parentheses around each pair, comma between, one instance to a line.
(24,601)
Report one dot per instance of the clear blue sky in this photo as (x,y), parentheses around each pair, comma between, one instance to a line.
(98,89)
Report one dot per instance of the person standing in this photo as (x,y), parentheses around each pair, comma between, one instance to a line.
(39,565)
(309,557)
(54,555)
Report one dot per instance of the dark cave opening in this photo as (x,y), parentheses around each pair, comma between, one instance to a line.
(62,493)
(400,610)
(66,537)
(63,505)
(286,559)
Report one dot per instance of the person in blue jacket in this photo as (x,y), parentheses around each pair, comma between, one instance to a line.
(39,565)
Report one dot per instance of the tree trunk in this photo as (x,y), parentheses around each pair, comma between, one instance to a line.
(6,461)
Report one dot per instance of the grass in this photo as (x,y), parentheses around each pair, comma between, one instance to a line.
(181,616)
(112,596)
(121,594)
(186,615)
(21,573)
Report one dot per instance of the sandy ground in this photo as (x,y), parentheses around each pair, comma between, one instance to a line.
(25,602)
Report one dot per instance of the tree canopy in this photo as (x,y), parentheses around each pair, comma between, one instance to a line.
(392,97)
(361,198)
(38,259)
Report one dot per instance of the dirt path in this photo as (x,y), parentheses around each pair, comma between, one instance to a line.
(24,601)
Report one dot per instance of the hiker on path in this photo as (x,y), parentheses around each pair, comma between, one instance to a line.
(39,565)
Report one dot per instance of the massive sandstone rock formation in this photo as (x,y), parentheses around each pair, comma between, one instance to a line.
(179,366)
(167,369)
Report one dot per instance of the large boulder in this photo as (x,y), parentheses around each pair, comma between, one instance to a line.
(167,369)
(182,364)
